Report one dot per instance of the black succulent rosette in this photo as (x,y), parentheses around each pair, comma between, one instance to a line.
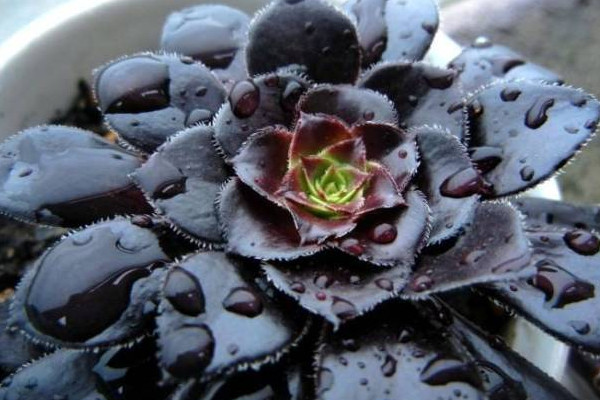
(290,199)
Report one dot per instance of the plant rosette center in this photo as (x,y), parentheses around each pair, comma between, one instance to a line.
(325,173)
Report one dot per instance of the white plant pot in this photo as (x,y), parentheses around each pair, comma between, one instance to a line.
(39,67)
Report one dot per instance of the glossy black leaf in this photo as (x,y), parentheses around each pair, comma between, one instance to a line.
(148,97)
(241,324)
(554,214)
(506,375)
(562,295)
(391,237)
(213,34)
(493,247)
(449,181)
(65,374)
(274,235)
(484,62)
(394,353)
(308,33)
(392,30)
(335,286)
(93,288)
(65,176)
(352,104)
(423,94)
(281,382)
(535,127)
(182,179)
(255,104)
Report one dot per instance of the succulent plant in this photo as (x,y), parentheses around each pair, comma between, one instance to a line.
(292,205)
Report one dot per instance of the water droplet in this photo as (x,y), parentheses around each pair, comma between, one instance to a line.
(582,242)
(309,28)
(82,238)
(201,91)
(463,183)
(352,246)
(421,283)
(537,115)
(369,115)
(233,349)
(170,189)
(350,345)
(187,351)
(439,78)
(244,99)
(343,361)
(325,380)
(383,233)
(321,296)
(485,158)
(298,287)
(402,154)
(184,292)
(413,100)
(572,129)
(441,371)
(364,381)
(510,94)
(581,327)
(143,221)
(560,287)
(385,284)
(272,81)
(134,85)
(25,172)
(244,302)
(474,256)
(389,366)
(323,281)
(527,173)
(343,309)
(198,116)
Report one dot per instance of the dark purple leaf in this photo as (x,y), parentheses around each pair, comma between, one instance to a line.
(314,133)
(242,324)
(93,288)
(255,227)
(561,295)
(392,30)
(352,104)
(394,353)
(517,117)
(283,382)
(558,214)
(336,286)
(314,229)
(391,237)
(212,34)
(308,33)
(422,94)
(382,191)
(148,97)
(65,374)
(391,147)
(505,374)
(65,176)
(254,104)
(449,181)
(262,162)
(183,179)
(484,62)
(493,247)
